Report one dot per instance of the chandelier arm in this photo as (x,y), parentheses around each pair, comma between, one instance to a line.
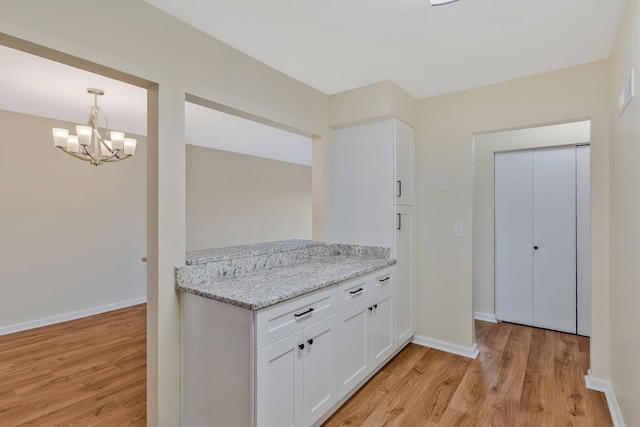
(86,152)
(111,159)
(76,155)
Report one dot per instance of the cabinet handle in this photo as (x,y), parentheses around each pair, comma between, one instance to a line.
(356,291)
(310,341)
(399,227)
(304,312)
(399,193)
(370,308)
(375,305)
(385,279)
(301,346)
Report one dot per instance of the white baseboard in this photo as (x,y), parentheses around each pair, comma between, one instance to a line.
(470,352)
(486,317)
(604,386)
(46,321)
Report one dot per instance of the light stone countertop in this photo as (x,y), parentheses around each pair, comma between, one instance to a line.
(264,287)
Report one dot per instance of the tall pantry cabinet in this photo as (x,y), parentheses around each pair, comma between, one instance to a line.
(374,198)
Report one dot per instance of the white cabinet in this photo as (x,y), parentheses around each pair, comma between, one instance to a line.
(404,249)
(403,152)
(374,197)
(320,369)
(279,383)
(366,332)
(289,364)
(296,380)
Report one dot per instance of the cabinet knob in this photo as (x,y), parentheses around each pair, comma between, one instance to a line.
(535,247)
(301,346)
(310,341)
(375,305)
(370,308)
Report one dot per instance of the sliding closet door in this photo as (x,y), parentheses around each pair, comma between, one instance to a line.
(554,236)
(513,237)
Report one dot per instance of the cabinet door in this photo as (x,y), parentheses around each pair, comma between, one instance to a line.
(353,346)
(320,369)
(279,383)
(381,332)
(404,288)
(404,136)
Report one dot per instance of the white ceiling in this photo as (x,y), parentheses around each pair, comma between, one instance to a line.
(336,45)
(40,87)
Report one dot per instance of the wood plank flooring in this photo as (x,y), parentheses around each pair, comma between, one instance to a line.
(523,377)
(92,372)
(86,372)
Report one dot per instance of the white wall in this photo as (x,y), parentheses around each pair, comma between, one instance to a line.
(236,199)
(444,148)
(72,233)
(625,219)
(485,146)
(158,49)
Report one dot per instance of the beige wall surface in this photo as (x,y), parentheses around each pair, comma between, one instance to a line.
(625,219)
(444,148)
(485,146)
(236,199)
(72,233)
(180,60)
(373,102)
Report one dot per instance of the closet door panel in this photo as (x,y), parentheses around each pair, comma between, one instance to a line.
(513,237)
(583,218)
(554,235)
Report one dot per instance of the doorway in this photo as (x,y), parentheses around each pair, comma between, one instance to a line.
(538,205)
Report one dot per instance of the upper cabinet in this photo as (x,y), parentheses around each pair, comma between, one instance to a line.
(404,144)
(374,171)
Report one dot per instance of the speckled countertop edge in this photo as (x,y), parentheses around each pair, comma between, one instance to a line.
(267,287)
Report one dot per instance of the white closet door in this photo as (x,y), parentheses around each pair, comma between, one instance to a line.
(513,237)
(554,236)
(583,216)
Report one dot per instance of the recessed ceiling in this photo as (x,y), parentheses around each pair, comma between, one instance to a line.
(33,85)
(336,45)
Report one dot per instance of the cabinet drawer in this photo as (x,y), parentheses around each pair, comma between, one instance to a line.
(278,321)
(381,280)
(353,291)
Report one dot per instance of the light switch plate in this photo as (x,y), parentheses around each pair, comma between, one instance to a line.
(458,229)
(420,186)
(443,183)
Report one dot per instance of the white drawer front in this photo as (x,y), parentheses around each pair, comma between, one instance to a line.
(353,291)
(381,280)
(276,322)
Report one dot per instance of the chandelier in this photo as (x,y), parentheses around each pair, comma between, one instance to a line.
(89,144)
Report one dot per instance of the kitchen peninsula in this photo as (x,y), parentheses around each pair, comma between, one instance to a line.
(282,333)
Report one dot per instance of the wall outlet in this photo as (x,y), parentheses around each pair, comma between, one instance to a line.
(328,229)
(458,229)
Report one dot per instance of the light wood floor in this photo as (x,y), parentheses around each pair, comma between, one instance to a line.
(522,377)
(87,372)
(92,372)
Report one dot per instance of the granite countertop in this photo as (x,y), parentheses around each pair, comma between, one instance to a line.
(257,276)
(266,287)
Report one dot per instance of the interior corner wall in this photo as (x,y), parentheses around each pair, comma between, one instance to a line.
(72,233)
(625,218)
(236,199)
(444,148)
